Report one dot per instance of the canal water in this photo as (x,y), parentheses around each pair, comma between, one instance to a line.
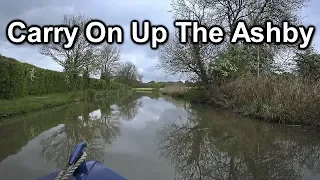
(153,137)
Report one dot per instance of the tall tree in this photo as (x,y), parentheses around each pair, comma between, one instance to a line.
(197,59)
(191,59)
(128,73)
(76,60)
(308,64)
(109,57)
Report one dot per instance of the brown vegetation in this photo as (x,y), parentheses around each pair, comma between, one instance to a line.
(176,90)
(277,99)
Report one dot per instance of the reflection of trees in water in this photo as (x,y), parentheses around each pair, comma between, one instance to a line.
(210,146)
(151,94)
(79,125)
(177,102)
(128,108)
(17,131)
(99,133)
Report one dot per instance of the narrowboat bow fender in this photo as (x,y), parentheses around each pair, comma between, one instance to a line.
(78,169)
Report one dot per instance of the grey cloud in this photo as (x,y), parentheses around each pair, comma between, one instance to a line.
(120,12)
(28,55)
(310,17)
(157,76)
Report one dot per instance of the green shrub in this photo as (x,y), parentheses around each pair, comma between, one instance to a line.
(12,78)
(21,79)
(196,95)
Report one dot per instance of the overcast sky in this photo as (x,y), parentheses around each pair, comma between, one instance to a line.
(119,12)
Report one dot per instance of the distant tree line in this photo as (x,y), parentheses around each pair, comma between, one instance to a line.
(162,84)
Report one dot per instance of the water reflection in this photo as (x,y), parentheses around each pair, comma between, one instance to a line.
(98,132)
(197,142)
(208,145)
(129,107)
(120,133)
(16,132)
(151,94)
(99,128)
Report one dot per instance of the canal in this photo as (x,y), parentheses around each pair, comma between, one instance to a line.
(148,136)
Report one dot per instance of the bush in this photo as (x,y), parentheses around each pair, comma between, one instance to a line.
(21,79)
(12,78)
(281,99)
(197,95)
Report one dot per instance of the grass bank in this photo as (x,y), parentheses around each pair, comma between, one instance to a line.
(26,104)
(145,89)
(278,99)
(25,88)
(32,103)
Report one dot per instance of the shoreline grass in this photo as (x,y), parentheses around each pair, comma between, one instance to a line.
(273,99)
(283,100)
(174,90)
(18,106)
(26,104)
(145,89)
